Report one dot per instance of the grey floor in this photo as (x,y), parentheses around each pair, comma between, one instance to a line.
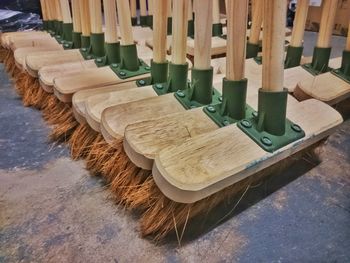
(52,210)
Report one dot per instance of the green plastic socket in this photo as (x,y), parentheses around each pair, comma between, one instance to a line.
(344,71)
(112,55)
(134,21)
(252,50)
(46,25)
(150,21)
(232,107)
(75,43)
(143,21)
(177,79)
(217,30)
(85,42)
(320,60)
(269,127)
(293,56)
(200,91)
(51,27)
(58,30)
(96,48)
(170,26)
(190,29)
(67,29)
(159,74)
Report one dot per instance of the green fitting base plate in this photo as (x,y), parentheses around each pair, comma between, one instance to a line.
(149,21)
(96,48)
(252,50)
(143,21)
(45,25)
(125,74)
(183,97)
(293,57)
(170,26)
(76,43)
(319,62)
(112,51)
(267,141)
(134,21)
(159,74)
(190,28)
(344,71)
(217,30)
(67,29)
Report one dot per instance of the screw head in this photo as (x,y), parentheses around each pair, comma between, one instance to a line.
(66,45)
(89,57)
(255,114)
(159,86)
(296,128)
(266,141)
(180,93)
(122,73)
(142,82)
(211,109)
(220,98)
(99,60)
(246,123)
(84,49)
(226,122)
(114,65)
(147,68)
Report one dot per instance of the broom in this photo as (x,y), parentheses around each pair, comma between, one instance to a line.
(162,215)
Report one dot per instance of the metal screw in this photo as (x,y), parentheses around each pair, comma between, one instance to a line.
(180,93)
(114,65)
(226,122)
(147,68)
(159,86)
(122,73)
(89,57)
(296,128)
(255,114)
(246,123)
(220,98)
(66,45)
(99,60)
(83,49)
(142,82)
(265,140)
(211,109)
(193,106)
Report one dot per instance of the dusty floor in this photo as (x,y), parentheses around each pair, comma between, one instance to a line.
(52,210)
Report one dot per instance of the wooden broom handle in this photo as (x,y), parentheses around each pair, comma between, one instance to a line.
(329,10)
(76,16)
(299,23)
(347,46)
(66,14)
(143,8)
(85,17)
(170,11)
(133,8)
(190,11)
(179,31)
(110,10)
(160,20)
(58,10)
(237,16)
(203,32)
(43,9)
(273,45)
(216,11)
(257,18)
(125,22)
(48,9)
(150,7)
(95,16)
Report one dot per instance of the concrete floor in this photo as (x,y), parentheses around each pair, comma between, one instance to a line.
(52,210)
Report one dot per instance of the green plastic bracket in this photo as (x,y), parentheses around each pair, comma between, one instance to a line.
(177,80)
(149,21)
(200,91)
(320,59)
(269,127)
(75,43)
(190,28)
(130,65)
(232,106)
(159,74)
(252,50)
(134,21)
(143,21)
(170,26)
(85,42)
(217,30)
(344,71)
(46,25)
(51,27)
(293,56)
(67,29)
(96,48)
(112,55)
(58,30)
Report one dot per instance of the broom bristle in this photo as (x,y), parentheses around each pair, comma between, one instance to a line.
(62,131)
(20,83)
(162,215)
(40,96)
(3,54)
(54,110)
(81,140)
(29,90)
(9,61)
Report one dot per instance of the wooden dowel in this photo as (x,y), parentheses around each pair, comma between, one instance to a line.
(216,11)
(43,9)
(190,11)
(66,14)
(257,18)
(329,9)
(76,16)
(203,32)
(125,22)
(299,23)
(133,8)
(273,45)
(150,7)
(50,9)
(95,16)
(110,10)
(160,21)
(347,46)
(237,16)
(170,11)
(85,17)
(58,10)
(179,31)
(143,8)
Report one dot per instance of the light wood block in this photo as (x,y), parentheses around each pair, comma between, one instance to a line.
(7,37)
(35,41)
(207,163)
(326,87)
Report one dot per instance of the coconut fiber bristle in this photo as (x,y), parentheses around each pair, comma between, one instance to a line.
(53,110)
(81,140)
(65,127)
(3,54)
(30,89)
(21,83)
(9,61)
(162,216)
